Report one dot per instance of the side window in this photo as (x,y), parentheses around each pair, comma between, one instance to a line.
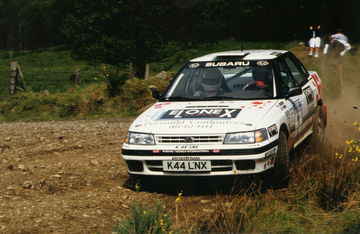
(300,65)
(298,74)
(285,76)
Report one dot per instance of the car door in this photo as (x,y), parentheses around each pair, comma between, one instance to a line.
(306,100)
(293,104)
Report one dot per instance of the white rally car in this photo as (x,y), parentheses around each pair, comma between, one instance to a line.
(228,113)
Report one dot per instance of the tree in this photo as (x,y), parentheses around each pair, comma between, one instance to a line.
(32,24)
(119,31)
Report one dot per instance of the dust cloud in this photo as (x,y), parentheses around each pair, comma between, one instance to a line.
(342,96)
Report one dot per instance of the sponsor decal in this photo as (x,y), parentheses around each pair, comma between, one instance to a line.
(272,130)
(269,163)
(189,124)
(194,65)
(296,106)
(309,93)
(282,106)
(201,113)
(185,158)
(262,63)
(185,151)
(228,64)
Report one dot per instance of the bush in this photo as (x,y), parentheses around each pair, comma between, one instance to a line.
(115,78)
(136,94)
(146,220)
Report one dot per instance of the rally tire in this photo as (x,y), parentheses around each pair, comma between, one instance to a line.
(317,137)
(281,167)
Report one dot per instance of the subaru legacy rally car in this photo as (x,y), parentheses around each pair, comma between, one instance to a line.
(228,113)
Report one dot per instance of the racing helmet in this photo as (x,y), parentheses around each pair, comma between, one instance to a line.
(212,80)
(261,73)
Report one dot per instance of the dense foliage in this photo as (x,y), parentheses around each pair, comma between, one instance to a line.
(120,32)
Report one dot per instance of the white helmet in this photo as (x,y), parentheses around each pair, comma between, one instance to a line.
(212,79)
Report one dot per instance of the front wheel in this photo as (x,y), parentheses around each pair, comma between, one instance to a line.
(281,167)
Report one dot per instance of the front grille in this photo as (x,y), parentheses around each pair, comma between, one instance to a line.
(216,165)
(189,139)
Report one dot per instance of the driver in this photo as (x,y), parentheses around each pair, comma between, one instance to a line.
(261,80)
(211,83)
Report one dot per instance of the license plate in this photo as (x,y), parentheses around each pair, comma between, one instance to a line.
(187,165)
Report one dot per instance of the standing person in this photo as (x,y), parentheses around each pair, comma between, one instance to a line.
(315,40)
(338,41)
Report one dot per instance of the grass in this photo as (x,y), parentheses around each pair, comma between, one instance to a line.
(50,70)
(144,219)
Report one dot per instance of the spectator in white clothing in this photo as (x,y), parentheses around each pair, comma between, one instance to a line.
(315,40)
(339,42)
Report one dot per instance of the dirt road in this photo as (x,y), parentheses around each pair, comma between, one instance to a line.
(68,177)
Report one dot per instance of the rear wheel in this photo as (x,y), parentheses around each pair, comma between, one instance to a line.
(318,134)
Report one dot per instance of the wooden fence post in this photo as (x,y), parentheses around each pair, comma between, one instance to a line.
(147,70)
(14,72)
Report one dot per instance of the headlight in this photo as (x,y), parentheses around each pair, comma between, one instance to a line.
(136,138)
(246,137)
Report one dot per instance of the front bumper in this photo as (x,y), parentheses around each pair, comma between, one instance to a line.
(223,161)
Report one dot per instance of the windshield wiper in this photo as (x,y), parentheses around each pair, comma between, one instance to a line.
(179,98)
(220,98)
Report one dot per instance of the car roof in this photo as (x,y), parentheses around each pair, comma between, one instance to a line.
(241,54)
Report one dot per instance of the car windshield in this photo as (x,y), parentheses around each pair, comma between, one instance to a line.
(223,80)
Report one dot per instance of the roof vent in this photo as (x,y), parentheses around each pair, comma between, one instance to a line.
(230,57)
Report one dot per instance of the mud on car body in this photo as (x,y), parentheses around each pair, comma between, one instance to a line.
(228,113)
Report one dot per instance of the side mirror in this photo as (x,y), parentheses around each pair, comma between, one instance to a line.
(293,92)
(155,92)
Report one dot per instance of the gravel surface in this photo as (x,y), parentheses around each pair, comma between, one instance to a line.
(68,177)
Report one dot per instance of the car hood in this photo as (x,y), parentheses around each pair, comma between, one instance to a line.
(202,117)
